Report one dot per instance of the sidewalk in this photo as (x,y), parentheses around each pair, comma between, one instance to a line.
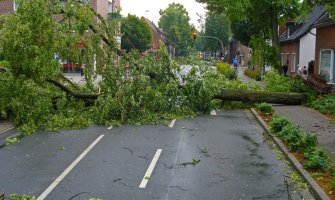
(246,79)
(311,121)
(7,130)
(308,119)
(5,126)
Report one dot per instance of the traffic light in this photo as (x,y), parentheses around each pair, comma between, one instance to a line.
(194,35)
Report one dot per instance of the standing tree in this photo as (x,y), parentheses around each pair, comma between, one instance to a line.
(175,22)
(330,5)
(136,34)
(217,25)
(243,30)
(264,15)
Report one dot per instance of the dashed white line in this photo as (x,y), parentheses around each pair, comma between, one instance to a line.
(150,169)
(172,123)
(213,113)
(68,169)
(109,128)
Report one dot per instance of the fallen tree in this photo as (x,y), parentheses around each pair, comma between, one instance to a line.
(254,97)
(137,89)
(225,95)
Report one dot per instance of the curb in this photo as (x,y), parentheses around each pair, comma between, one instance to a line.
(7,129)
(320,194)
(4,135)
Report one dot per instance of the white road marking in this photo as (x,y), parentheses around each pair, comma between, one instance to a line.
(68,169)
(150,169)
(109,128)
(172,123)
(174,164)
(213,113)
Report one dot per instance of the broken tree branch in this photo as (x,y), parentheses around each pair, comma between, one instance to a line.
(73,94)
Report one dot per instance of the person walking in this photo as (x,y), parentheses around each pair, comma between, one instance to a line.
(299,71)
(285,69)
(235,63)
(304,72)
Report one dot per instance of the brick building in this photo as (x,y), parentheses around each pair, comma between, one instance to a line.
(158,35)
(7,6)
(237,50)
(297,42)
(325,48)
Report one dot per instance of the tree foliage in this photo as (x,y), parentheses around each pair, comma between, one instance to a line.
(330,5)
(243,30)
(29,40)
(216,25)
(174,21)
(136,34)
(264,15)
(137,89)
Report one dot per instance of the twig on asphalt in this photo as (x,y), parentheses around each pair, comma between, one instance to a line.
(128,149)
(116,180)
(78,195)
(204,152)
(289,197)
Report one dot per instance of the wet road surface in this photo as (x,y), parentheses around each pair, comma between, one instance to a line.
(207,157)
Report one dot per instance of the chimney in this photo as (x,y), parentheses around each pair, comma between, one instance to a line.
(289,25)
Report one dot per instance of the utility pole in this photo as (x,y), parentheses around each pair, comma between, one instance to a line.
(212,37)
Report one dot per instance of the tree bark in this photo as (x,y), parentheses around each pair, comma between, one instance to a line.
(274,32)
(254,97)
(73,94)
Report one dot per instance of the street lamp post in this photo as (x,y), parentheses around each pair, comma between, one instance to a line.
(212,37)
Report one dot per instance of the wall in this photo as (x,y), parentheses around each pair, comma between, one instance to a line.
(6,6)
(235,47)
(101,6)
(244,53)
(156,40)
(325,39)
(290,48)
(307,48)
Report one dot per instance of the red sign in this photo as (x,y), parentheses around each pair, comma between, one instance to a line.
(81,44)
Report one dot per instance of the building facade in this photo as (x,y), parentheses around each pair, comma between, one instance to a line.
(325,49)
(237,50)
(158,35)
(7,6)
(297,42)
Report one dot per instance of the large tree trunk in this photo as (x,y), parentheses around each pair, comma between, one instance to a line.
(254,97)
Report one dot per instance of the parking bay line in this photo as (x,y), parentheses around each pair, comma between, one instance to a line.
(150,169)
(213,113)
(172,123)
(68,169)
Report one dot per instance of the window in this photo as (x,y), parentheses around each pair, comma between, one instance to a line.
(15,6)
(282,59)
(326,64)
(293,62)
(288,62)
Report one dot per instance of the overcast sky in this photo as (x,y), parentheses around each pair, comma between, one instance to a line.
(139,8)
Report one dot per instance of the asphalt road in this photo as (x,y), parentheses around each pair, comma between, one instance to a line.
(207,157)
